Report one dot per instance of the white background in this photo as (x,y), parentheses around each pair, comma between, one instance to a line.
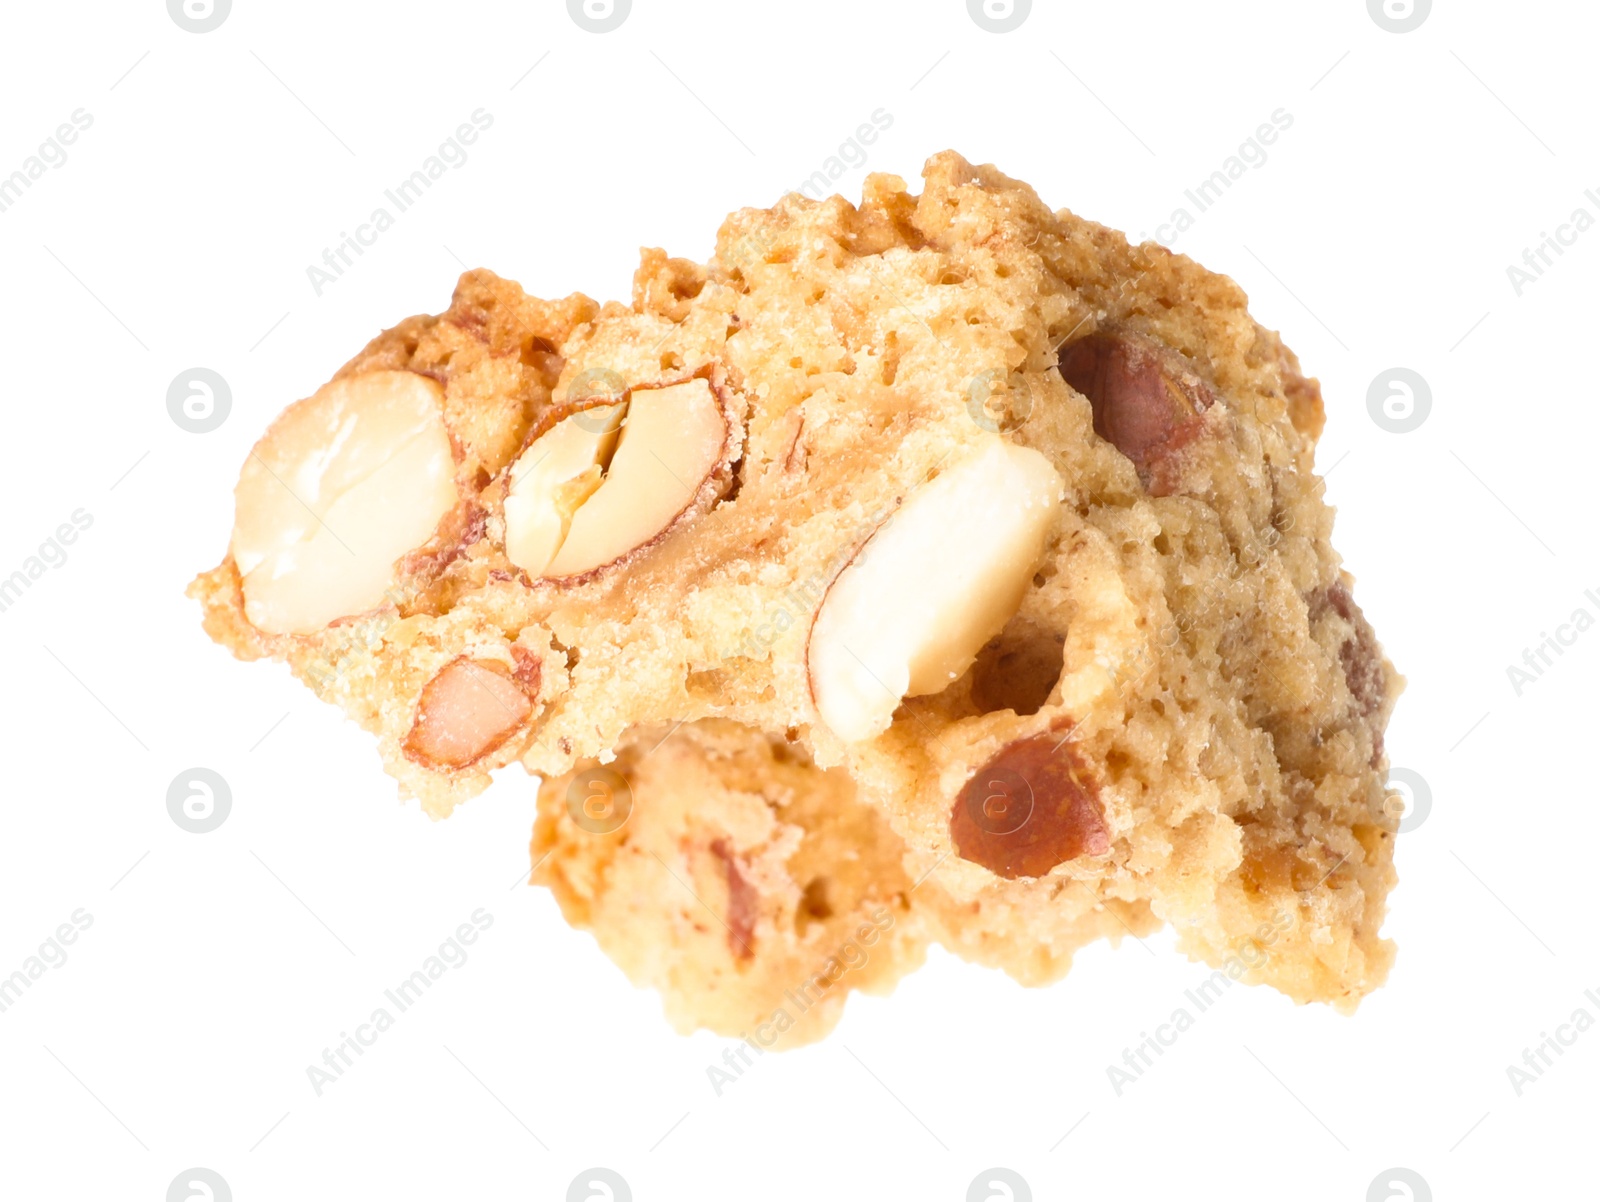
(218,967)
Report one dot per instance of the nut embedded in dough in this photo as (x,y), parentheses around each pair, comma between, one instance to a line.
(551,479)
(585,495)
(1147,402)
(1186,614)
(937,581)
(468,709)
(342,485)
(1030,807)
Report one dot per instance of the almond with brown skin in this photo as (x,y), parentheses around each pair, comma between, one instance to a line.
(343,484)
(610,480)
(935,582)
(744,902)
(469,708)
(1031,807)
(1359,654)
(1147,401)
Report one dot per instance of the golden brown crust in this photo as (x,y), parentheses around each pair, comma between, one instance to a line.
(752,888)
(221,600)
(732,407)
(1189,620)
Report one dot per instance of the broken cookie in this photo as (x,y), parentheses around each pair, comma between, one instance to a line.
(1005,524)
(723,868)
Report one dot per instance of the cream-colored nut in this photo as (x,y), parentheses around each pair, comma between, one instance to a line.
(342,485)
(930,587)
(552,478)
(467,710)
(583,497)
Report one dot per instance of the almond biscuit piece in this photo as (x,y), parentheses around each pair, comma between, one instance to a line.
(1013,522)
(723,868)
(755,890)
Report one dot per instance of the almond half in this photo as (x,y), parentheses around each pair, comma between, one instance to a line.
(469,708)
(933,584)
(586,494)
(552,479)
(341,486)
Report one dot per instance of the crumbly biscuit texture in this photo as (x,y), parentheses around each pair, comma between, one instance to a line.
(1009,521)
(755,891)
(720,866)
